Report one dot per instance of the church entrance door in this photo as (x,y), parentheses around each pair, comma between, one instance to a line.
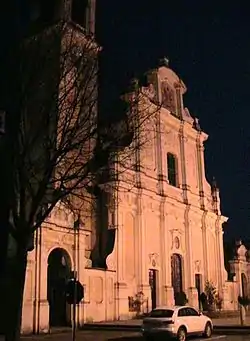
(176,274)
(153,285)
(198,280)
(58,273)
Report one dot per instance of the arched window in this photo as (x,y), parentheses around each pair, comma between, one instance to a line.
(172,170)
(244,285)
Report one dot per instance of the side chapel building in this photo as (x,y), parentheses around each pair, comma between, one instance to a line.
(167,235)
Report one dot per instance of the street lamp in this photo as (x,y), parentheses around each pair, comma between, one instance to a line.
(76,230)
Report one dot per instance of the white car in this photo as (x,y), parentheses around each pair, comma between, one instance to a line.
(177,322)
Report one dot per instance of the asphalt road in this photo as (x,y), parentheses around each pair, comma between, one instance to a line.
(120,336)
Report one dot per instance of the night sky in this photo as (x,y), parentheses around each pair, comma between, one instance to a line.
(209,48)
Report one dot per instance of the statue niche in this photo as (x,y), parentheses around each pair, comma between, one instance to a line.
(168,97)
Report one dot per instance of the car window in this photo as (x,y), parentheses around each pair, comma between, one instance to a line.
(182,312)
(161,313)
(192,312)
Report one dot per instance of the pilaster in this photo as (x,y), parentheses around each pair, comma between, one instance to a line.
(169,295)
(204,245)
(193,297)
(140,240)
(144,282)
(188,259)
(163,254)
(40,304)
(184,184)
(200,163)
(167,256)
(220,253)
(121,300)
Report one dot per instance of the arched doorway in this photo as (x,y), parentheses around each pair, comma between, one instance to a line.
(176,273)
(198,285)
(59,271)
(153,282)
(244,285)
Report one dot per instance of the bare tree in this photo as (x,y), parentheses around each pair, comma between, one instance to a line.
(62,151)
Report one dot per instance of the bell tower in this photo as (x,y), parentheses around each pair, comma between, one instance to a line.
(83,14)
(44,13)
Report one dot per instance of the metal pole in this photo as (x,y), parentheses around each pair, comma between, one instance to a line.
(75,288)
(74,312)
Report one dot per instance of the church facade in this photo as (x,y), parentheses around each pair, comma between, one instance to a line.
(165,231)
(170,237)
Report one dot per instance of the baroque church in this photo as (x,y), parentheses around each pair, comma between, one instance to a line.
(164,235)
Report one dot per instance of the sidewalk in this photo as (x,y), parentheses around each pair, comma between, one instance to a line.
(220,323)
(225,325)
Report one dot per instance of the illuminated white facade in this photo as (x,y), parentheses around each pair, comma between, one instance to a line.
(168,231)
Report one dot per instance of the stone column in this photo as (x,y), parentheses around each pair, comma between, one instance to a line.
(119,248)
(167,251)
(188,260)
(204,245)
(139,264)
(41,304)
(182,162)
(224,272)
(218,254)
(143,258)
(193,297)
(163,256)
(167,295)
(82,262)
(200,164)
(121,294)
(28,296)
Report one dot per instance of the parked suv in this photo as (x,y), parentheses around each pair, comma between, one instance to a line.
(178,322)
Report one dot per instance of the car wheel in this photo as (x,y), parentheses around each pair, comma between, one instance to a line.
(181,335)
(208,330)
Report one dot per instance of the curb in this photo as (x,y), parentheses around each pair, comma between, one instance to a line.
(223,329)
(236,327)
(96,326)
(218,330)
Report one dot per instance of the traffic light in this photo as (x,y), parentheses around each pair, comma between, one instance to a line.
(74,291)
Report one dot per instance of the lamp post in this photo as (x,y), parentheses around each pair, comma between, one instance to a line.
(76,230)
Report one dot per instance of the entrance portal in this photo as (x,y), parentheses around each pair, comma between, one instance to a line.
(198,287)
(176,273)
(153,286)
(59,271)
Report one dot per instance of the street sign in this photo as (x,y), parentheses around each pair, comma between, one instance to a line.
(74,291)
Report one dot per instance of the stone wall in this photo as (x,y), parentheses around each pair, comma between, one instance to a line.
(99,300)
(230,295)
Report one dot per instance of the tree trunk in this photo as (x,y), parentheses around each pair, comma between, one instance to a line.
(14,294)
